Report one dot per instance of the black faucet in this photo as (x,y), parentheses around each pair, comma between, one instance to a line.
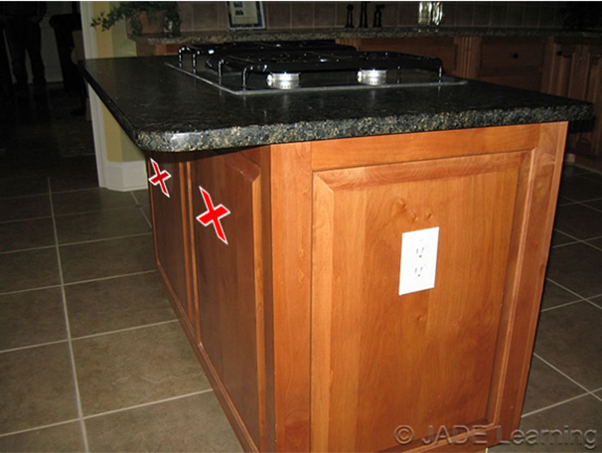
(378,16)
(364,15)
(349,16)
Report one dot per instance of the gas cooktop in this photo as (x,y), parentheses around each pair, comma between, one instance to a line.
(301,66)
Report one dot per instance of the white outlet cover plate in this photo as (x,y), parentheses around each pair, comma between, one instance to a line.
(418,260)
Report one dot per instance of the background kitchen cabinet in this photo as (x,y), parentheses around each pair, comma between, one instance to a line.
(512,61)
(568,67)
(574,69)
(443,48)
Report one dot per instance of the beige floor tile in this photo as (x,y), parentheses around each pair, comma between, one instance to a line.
(31,317)
(91,200)
(574,424)
(26,234)
(23,208)
(117,303)
(192,424)
(107,258)
(28,270)
(129,368)
(37,387)
(61,438)
(100,225)
(570,338)
(546,387)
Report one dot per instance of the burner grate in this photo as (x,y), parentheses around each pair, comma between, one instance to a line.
(292,66)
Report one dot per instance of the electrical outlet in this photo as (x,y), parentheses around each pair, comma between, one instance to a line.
(418,260)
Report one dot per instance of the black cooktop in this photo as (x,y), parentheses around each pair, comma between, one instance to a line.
(262,68)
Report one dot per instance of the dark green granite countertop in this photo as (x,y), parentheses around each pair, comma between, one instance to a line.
(162,109)
(353,33)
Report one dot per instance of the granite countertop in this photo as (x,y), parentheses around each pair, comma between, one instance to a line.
(354,33)
(162,109)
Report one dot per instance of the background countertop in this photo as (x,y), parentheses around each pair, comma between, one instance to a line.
(218,36)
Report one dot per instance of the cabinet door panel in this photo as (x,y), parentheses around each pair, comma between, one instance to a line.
(561,62)
(589,142)
(515,62)
(228,276)
(171,225)
(380,360)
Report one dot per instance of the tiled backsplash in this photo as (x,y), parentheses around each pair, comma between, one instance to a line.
(208,16)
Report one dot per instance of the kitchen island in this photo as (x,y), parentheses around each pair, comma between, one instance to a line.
(297,317)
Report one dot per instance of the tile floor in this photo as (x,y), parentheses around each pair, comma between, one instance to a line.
(93,359)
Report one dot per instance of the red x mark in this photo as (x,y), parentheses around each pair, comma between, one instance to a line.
(212,215)
(160,177)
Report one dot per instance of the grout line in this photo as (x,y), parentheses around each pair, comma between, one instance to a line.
(594,246)
(127,329)
(595,238)
(19,291)
(92,241)
(537,411)
(588,200)
(35,428)
(557,246)
(89,189)
(150,224)
(564,374)
(151,403)
(31,195)
(80,412)
(576,240)
(4,222)
(94,211)
(32,249)
(562,305)
(584,167)
(569,290)
(31,346)
(142,211)
(594,304)
(92,280)
(593,208)
(100,279)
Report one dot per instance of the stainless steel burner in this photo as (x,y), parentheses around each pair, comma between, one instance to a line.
(372,76)
(283,81)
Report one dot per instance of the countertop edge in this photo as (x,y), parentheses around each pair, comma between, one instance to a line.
(259,135)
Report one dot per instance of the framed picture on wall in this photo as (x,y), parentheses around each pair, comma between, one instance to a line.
(245,15)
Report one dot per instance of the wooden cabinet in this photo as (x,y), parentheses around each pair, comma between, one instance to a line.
(569,67)
(512,61)
(297,320)
(516,62)
(574,69)
(443,48)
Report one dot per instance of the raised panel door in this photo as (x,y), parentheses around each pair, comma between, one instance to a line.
(426,359)
(229,277)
